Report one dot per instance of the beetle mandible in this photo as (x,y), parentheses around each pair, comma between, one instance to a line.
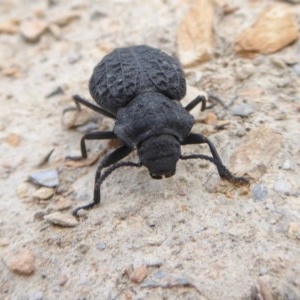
(140,87)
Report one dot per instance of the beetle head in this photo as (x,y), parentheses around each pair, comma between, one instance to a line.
(160,154)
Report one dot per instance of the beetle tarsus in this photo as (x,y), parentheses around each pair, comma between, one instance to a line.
(226,174)
(85,207)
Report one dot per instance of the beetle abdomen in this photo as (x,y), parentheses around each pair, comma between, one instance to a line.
(127,72)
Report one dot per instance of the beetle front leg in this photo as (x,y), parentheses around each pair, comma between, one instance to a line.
(215,159)
(110,160)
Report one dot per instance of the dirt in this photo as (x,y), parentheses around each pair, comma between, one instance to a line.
(191,236)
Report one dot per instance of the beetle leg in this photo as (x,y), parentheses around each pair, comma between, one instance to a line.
(224,173)
(200,99)
(79,100)
(96,135)
(110,161)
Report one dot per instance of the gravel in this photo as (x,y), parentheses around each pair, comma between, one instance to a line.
(191,236)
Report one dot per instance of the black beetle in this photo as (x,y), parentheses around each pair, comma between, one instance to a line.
(140,87)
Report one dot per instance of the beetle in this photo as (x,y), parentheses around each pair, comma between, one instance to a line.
(140,87)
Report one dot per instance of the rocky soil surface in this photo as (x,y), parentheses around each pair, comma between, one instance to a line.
(191,236)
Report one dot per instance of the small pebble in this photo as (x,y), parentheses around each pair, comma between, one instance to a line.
(22,190)
(13,139)
(13,71)
(282,186)
(293,231)
(98,15)
(101,246)
(278,62)
(155,240)
(63,280)
(240,132)
(210,118)
(83,248)
(31,30)
(63,20)
(73,57)
(165,280)
(160,274)
(243,110)
(8,27)
(43,193)
(63,203)
(245,71)
(291,59)
(4,242)
(153,262)
(287,165)
(48,178)
(259,60)
(69,118)
(22,263)
(35,295)
(64,220)
(39,215)
(258,192)
(297,69)
(139,274)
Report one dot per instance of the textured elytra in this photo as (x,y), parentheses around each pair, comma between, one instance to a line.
(127,72)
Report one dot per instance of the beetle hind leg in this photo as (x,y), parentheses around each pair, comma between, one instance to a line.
(203,100)
(80,100)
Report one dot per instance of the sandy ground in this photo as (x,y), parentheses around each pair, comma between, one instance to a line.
(188,237)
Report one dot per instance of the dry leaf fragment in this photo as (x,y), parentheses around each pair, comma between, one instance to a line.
(274,29)
(195,34)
